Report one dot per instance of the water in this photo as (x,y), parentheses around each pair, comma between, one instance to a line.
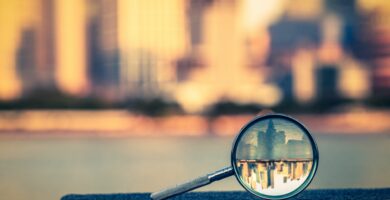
(39,168)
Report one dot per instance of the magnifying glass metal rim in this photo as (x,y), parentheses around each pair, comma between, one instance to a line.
(314,149)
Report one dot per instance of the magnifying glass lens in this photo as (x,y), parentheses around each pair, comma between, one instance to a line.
(274,157)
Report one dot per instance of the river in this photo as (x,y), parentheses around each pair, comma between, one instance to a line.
(48,168)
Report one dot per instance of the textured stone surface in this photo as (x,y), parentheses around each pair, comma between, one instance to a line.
(308,194)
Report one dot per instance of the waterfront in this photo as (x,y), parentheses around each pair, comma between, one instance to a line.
(47,168)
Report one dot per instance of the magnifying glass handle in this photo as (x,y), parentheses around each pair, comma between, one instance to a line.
(193,184)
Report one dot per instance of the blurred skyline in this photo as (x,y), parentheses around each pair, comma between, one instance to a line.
(195,53)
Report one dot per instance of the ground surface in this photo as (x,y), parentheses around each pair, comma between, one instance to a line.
(308,194)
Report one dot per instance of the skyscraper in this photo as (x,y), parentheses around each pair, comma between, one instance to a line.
(152,34)
(45,52)
(35,52)
(70,45)
(103,50)
(273,141)
(11,22)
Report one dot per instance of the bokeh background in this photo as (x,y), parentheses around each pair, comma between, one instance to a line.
(104,96)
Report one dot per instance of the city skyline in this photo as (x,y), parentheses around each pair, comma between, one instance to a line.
(274,177)
(195,53)
(275,139)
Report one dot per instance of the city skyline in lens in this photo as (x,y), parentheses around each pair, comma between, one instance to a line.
(274,139)
(274,178)
(274,157)
(291,130)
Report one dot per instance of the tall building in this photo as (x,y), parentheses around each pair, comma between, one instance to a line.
(11,23)
(195,20)
(45,47)
(26,59)
(152,35)
(303,75)
(224,71)
(292,58)
(299,149)
(327,80)
(273,141)
(373,45)
(35,53)
(103,49)
(71,71)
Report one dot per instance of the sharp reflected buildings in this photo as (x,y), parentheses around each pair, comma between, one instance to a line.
(265,176)
(196,52)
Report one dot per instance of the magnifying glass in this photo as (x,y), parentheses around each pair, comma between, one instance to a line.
(273,157)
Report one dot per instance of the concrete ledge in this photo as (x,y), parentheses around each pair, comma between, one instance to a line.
(334,194)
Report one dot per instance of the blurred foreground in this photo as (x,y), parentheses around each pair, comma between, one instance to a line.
(36,168)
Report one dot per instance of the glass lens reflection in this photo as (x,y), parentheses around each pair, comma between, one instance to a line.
(274,157)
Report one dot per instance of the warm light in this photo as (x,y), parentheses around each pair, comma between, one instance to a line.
(331,50)
(71,52)
(304,9)
(152,34)
(155,26)
(303,75)
(368,5)
(195,97)
(354,80)
(257,14)
(11,24)
(227,74)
